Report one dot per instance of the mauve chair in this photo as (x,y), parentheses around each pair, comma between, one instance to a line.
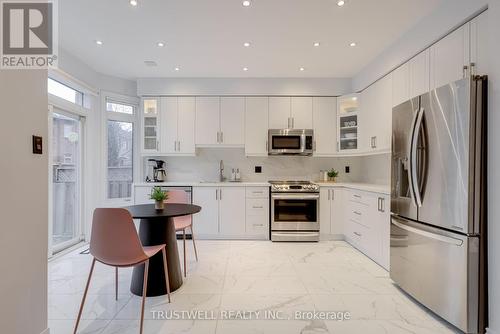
(114,242)
(183,222)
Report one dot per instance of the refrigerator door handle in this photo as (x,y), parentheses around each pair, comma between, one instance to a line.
(410,158)
(413,158)
(443,238)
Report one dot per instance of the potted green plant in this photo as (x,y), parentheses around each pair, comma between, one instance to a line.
(332,174)
(159,196)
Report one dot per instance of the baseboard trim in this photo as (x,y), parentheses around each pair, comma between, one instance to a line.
(46,331)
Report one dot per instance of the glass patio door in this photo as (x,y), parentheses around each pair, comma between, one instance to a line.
(66,162)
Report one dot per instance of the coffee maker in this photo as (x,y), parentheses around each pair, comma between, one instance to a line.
(159,171)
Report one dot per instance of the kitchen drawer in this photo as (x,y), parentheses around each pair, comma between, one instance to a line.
(358,235)
(357,212)
(257,207)
(257,226)
(257,192)
(359,197)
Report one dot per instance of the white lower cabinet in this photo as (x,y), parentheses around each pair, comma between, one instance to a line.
(232,212)
(367,224)
(206,222)
(331,213)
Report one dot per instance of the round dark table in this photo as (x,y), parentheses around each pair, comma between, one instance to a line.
(156,228)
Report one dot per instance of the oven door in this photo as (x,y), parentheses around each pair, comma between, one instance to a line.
(295,212)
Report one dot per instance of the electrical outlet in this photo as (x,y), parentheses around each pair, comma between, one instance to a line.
(347,169)
(258,169)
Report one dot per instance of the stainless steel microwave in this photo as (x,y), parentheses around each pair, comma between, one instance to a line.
(291,142)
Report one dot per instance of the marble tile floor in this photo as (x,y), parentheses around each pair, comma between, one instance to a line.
(238,287)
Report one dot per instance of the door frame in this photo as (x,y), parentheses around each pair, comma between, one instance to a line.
(78,113)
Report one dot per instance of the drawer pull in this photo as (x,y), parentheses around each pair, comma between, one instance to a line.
(357,196)
(358,234)
(258,192)
(258,225)
(257,207)
(357,213)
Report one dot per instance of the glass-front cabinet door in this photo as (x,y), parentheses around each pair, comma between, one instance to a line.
(151,125)
(348,110)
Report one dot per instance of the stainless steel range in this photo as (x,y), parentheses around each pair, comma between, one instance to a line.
(294,211)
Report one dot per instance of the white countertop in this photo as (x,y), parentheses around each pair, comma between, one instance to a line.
(202,184)
(376,188)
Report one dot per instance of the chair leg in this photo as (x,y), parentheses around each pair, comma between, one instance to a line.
(184,245)
(165,266)
(194,244)
(144,290)
(116,283)
(84,296)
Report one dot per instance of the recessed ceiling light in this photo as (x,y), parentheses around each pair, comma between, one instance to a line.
(133,3)
(177,69)
(98,42)
(246,3)
(245,69)
(302,69)
(246,44)
(160,44)
(317,44)
(353,44)
(355,98)
(340,3)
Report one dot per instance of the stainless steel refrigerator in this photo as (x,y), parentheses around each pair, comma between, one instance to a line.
(438,201)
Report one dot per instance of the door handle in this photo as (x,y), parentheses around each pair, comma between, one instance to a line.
(443,238)
(413,157)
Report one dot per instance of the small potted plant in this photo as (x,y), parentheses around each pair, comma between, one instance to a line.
(332,174)
(159,196)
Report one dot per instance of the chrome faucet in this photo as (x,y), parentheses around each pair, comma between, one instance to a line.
(221,171)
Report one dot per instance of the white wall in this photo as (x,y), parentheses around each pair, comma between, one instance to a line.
(494,166)
(73,66)
(449,15)
(205,166)
(23,202)
(243,86)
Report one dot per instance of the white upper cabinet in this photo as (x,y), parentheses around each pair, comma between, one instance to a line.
(301,112)
(376,116)
(177,125)
(220,121)
(290,112)
(450,58)
(169,125)
(479,43)
(207,120)
(348,110)
(232,121)
(186,107)
(150,125)
(256,125)
(279,112)
(419,79)
(325,125)
(401,84)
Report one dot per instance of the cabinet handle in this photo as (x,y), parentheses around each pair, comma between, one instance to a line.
(179,145)
(257,192)
(288,123)
(328,194)
(357,213)
(358,234)
(472,68)
(357,196)
(220,194)
(221,137)
(338,146)
(257,207)
(157,145)
(216,194)
(293,122)
(465,70)
(218,140)
(258,225)
(374,142)
(267,144)
(333,194)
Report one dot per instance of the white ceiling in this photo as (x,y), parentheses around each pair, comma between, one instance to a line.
(205,37)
